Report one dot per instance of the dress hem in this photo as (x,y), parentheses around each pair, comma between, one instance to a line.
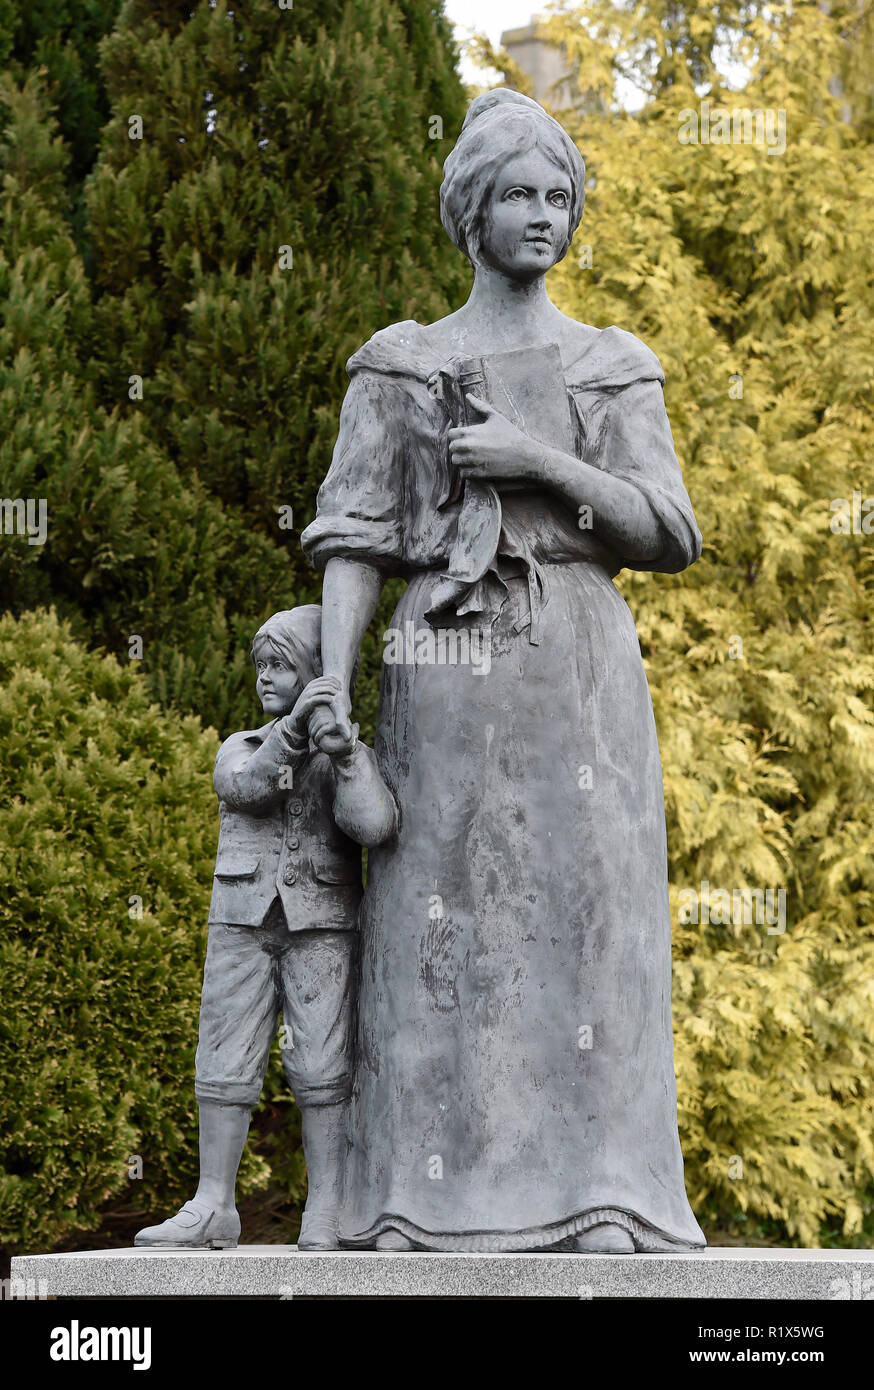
(647,1239)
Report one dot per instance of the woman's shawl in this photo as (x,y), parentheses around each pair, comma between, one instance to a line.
(616,387)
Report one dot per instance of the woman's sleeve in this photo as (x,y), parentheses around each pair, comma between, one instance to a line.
(636,444)
(359,508)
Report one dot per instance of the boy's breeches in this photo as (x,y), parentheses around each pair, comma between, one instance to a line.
(253,973)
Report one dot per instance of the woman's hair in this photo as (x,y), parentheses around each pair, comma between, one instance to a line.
(499,125)
(296,634)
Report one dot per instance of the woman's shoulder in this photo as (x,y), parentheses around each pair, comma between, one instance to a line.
(608,357)
(444,337)
(399,349)
(575,339)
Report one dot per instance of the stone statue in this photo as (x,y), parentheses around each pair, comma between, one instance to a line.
(514,1081)
(282,936)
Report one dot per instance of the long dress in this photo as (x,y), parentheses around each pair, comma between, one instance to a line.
(515,1082)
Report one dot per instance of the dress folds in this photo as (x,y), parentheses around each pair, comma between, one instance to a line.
(515,1082)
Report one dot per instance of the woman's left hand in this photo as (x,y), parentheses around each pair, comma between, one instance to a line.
(495,449)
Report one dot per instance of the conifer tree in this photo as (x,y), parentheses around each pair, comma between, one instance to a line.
(279,207)
(130,550)
(264,200)
(108,836)
(62,39)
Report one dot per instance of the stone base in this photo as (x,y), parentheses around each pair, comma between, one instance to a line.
(280,1271)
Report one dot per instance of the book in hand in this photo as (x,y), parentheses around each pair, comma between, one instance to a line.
(527,385)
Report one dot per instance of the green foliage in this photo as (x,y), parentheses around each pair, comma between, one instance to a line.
(164,512)
(752,272)
(132,549)
(104,797)
(279,208)
(62,37)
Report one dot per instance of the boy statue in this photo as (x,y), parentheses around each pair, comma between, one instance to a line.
(282,935)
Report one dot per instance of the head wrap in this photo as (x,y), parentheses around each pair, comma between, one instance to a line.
(297,635)
(498,125)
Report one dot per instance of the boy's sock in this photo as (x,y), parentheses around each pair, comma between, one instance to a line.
(223,1131)
(324,1146)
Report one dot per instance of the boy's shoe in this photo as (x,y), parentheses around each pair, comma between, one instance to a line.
(318,1231)
(196,1226)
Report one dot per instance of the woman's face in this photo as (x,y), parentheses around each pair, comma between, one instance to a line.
(524,226)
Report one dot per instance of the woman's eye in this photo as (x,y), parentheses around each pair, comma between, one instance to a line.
(517,193)
(560,200)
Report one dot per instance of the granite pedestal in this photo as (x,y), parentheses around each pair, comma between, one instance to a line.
(280,1271)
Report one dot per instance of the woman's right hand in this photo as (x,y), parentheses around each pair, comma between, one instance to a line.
(330,726)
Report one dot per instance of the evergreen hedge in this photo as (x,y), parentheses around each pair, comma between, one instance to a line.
(108,827)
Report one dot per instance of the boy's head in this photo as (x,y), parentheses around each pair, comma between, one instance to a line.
(287,655)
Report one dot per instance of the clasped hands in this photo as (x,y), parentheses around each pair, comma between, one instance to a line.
(495,448)
(322,713)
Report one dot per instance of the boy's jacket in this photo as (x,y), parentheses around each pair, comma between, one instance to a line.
(286,842)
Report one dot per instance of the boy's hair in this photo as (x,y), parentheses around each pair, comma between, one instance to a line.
(296,634)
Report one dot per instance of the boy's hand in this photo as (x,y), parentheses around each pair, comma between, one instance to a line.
(321,691)
(331,729)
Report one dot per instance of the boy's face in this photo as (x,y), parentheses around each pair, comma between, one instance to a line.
(278,683)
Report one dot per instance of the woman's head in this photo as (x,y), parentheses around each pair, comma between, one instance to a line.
(513,186)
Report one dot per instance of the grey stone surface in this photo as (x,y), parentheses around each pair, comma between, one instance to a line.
(515,1085)
(265,1271)
(511,1085)
(282,938)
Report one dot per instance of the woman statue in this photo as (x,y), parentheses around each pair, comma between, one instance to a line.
(515,1086)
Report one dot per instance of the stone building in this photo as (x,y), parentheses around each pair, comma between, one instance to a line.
(544,64)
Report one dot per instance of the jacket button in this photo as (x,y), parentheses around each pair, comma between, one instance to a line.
(295,807)
(294,842)
(290,876)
